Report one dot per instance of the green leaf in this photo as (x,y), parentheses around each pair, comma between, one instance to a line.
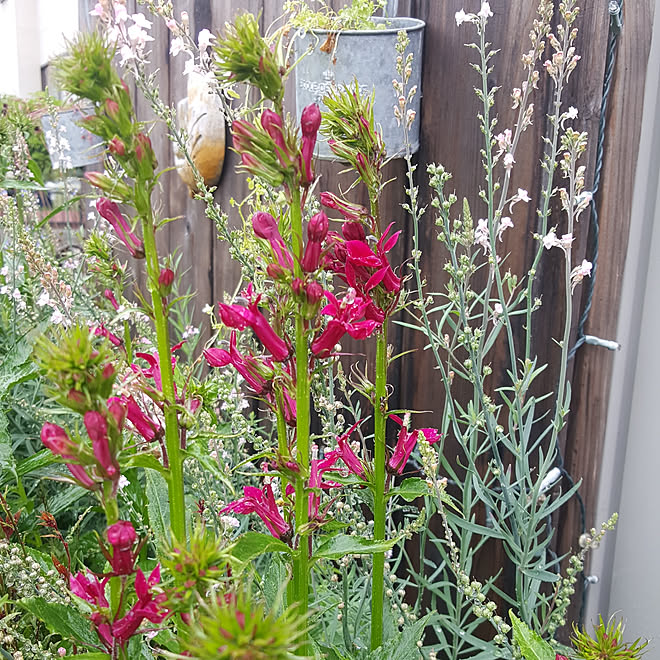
(7,462)
(37,461)
(340,545)
(404,645)
(251,545)
(146,461)
(65,499)
(332,653)
(62,619)
(532,645)
(158,505)
(410,489)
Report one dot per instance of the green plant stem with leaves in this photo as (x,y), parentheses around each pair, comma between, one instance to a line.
(301,557)
(172,439)
(380,419)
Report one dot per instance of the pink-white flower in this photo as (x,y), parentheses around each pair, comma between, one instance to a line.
(98,11)
(566,240)
(171,24)
(138,36)
(177,46)
(504,139)
(485,11)
(121,15)
(522,195)
(580,272)
(505,223)
(204,39)
(482,235)
(189,66)
(141,21)
(508,161)
(462,17)
(550,240)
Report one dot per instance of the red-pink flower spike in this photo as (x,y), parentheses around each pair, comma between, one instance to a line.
(122,538)
(310,121)
(317,230)
(57,440)
(97,429)
(406,443)
(110,211)
(263,504)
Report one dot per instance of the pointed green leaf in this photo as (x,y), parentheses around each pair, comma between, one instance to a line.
(340,545)
(251,545)
(532,645)
(62,619)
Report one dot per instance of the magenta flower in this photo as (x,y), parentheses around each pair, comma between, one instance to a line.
(344,319)
(110,211)
(238,317)
(97,429)
(111,298)
(261,502)
(317,468)
(317,230)
(350,211)
(142,423)
(93,592)
(122,538)
(273,125)
(58,441)
(406,443)
(265,226)
(257,372)
(165,280)
(102,331)
(149,606)
(346,453)
(310,121)
(79,473)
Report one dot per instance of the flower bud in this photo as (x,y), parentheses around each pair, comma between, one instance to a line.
(310,121)
(116,147)
(353,231)
(57,440)
(112,109)
(145,156)
(314,293)
(97,429)
(122,538)
(317,229)
(165,280)
(109,185)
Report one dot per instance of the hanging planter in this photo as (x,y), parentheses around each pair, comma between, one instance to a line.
(332,59)
(69,144)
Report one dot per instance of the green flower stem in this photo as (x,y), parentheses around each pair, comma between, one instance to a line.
(380,417)
(172,443)
(301,558)
(111,517)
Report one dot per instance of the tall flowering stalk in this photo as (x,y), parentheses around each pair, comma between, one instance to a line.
(87,72)
(354,137)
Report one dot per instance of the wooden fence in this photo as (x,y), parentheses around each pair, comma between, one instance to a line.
(450,135)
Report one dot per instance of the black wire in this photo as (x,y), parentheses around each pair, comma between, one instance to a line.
(616,25)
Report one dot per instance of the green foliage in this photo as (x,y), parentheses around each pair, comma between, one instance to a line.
(607,642)
(530,643)
(357,15)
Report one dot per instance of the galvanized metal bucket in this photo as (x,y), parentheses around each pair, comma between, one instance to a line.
(370,57)
(69,144)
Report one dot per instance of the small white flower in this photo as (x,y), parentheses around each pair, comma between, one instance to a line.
(140,20)
(207,309)
(189,67)
(497,312)
(485,11)
(171,24)
(508,161)
(138,36)
(230,521)
(204,39)
(43,299)
(16,295)
(177,46)
(522,195)
(4,290)
(120,13)
(57,318)
(572,113)
(98,10)
(505,223)
(4,271)
(550,240)
(462,17)
(482,235)
(566,240)
(122,482)
(127,54)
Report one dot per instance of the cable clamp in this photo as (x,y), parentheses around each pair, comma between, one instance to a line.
(603,343)
(616,23)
